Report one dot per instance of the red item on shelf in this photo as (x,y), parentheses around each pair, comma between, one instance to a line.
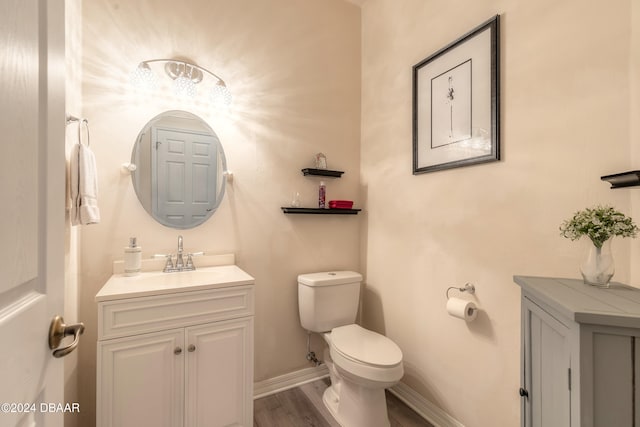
(340,204)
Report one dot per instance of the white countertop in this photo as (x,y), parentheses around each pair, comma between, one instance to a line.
(120,286)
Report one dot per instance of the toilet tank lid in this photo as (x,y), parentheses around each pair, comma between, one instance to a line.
(329,278)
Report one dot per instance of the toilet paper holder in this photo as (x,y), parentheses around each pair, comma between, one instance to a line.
(468,287)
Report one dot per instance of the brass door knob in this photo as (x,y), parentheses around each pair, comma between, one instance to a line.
(58,330)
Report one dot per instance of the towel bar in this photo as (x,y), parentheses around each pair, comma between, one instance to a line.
(80,121)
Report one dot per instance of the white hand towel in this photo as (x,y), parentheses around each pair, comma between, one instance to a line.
(74,190)
(84,186)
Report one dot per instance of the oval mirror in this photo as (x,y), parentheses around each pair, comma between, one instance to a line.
(179,169)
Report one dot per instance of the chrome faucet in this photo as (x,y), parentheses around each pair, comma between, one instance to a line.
(179,265)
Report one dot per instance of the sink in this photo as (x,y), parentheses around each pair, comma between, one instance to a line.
(151,283)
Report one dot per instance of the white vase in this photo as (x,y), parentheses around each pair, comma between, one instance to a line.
(598,267)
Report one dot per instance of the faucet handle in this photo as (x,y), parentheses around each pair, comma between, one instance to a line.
(168,266)
(189,265)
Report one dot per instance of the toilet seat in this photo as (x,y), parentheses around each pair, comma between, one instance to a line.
(365,346)
(366,354)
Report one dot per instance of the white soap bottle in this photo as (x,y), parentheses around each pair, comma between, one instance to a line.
(132,258)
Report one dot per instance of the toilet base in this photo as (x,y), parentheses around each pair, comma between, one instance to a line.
(357,406)
(355,401)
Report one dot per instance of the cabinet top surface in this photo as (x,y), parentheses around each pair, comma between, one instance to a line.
(120,286)
(618,305)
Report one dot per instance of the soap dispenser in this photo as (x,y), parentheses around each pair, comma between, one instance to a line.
(132,258)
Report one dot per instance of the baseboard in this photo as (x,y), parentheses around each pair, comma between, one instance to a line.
(287,381)
(423,407)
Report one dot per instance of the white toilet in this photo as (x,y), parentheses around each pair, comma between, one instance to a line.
(361,363)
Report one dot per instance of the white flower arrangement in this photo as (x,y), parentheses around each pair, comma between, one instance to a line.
(599,223)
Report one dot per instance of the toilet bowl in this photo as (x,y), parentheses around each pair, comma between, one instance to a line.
(361,363)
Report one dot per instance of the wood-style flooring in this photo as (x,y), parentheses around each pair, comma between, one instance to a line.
(302,407)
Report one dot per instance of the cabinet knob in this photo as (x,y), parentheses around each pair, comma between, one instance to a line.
(191,348)
(177,350)
(523,392)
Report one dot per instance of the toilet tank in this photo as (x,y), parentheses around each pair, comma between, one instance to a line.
(328,300)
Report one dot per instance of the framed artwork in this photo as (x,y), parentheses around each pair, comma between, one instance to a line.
(456,106)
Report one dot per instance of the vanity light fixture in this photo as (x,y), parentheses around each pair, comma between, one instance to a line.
(187,79)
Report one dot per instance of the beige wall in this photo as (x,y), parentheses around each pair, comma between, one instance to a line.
(73,101)
(294,70)
(565,122)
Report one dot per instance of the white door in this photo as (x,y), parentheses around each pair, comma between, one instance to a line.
(219,374)
(184,171)
(32,121)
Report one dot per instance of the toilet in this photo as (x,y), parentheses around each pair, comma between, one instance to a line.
(362,363)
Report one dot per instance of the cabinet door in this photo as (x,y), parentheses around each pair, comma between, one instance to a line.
(140,380)
(219,374)
(612,355)
(547,362)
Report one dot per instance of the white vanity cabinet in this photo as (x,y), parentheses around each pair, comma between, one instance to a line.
(580,358)
(178,353)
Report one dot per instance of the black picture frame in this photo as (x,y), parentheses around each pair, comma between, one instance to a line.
(456,102)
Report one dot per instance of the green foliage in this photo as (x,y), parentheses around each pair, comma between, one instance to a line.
(599,223)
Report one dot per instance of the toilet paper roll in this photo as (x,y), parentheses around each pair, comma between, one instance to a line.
(462,309)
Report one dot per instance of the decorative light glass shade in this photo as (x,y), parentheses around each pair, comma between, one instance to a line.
(186,79)
(143,78)
(220,96)
(184,86)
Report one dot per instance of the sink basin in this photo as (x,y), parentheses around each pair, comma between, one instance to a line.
(150,283)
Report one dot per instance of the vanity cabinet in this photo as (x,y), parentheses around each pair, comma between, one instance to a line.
(177,359)
(580,354)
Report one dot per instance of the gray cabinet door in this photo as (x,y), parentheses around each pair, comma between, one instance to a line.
(613,379)
(546,369)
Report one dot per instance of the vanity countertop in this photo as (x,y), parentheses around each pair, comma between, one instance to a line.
(120,286)
(618,305)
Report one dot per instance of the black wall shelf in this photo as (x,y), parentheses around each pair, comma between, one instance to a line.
(320,211)
(624,179)
(322,172)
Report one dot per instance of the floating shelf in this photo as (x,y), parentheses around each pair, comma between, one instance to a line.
(624,179)
(319,211)
(322,172)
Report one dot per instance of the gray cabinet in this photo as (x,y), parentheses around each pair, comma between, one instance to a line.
(580,355)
